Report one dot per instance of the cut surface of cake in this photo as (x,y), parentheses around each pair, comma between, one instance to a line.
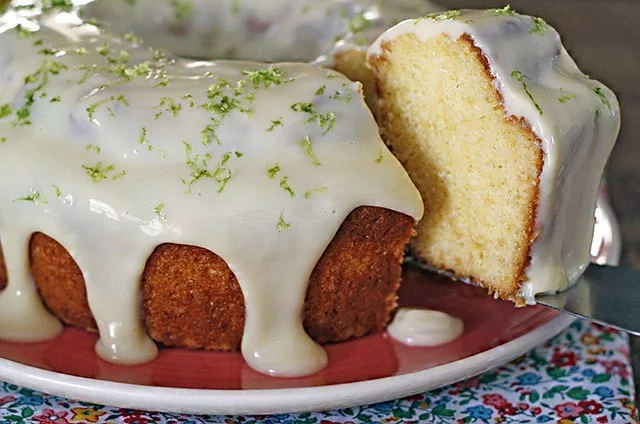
(136,187)
(506,140)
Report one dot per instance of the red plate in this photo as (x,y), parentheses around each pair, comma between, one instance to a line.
(488,323)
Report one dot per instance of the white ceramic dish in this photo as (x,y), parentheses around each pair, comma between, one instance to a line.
(223,402)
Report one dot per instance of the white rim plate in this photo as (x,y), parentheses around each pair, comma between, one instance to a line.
(236,402)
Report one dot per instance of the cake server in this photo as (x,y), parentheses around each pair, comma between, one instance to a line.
(607,295)
(604,294)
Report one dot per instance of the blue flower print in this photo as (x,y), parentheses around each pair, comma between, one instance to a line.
(528,379)
(479,412)
(443,400)
(385,407)
(604,392)
(30,401)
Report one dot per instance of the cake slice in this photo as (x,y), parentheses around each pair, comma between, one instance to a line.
(506,140)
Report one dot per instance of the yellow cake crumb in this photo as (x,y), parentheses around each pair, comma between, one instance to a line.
(476,168)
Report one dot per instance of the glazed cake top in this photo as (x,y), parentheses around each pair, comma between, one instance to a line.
(112,149)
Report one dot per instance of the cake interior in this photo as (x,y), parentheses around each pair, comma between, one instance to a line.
(476,168)
(352,64)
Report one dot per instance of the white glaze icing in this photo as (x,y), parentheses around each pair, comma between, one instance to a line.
(273,30)
(577,120)
(113,164)
(424,327)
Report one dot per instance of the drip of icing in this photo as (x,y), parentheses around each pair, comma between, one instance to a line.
(274,30)
(126,149)
(424,327)
(577,120)
(23,317)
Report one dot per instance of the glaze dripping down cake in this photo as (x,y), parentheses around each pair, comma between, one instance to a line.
(506,140)
(219,204)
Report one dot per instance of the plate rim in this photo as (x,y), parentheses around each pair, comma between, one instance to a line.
(275,401)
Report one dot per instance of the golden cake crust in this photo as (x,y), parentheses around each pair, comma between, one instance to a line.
(191,298)
(530,232)
(60,282)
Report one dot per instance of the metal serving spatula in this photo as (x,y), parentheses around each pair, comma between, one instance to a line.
(608,295)
(604,294)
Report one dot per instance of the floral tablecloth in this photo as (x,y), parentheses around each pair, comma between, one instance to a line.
(581,376)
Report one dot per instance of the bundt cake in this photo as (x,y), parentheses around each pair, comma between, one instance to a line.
(506,140)
(207,204)
(226,205)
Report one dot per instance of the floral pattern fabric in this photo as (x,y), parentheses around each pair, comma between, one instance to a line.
(581,376)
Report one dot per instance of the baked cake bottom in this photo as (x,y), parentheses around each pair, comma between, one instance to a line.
(190,297)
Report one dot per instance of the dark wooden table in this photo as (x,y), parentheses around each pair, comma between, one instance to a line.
(603,36)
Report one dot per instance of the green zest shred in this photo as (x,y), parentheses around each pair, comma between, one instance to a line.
(539,26)
(282,224)
(266,77)
(324,120)
(5,110)
(603,98)
(38,80)
(309,193)
(566,97)
(100,172)
(34,197)
(522,79)
(199,166)
(275,123)
(507,10)
(284,183)
(446,16)
(273,170)
(144,140)
(91,109)
(93,147)
(307,148)
(158,210)
(171,106)
(342,95)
